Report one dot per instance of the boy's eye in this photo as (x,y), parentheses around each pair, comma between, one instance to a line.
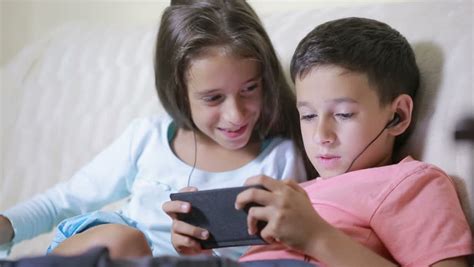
(344,116)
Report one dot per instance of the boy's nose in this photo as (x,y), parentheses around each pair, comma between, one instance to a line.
(323,132)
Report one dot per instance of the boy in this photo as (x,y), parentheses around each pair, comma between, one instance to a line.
(355,82)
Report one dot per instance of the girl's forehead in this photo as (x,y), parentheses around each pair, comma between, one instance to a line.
(221,71)
(220,51)
(216,57)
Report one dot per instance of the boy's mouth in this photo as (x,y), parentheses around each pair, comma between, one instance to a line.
(328,161)
(324,157)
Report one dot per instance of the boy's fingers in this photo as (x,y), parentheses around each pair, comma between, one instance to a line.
(253,195)
(294,185)
(269,183)
(255,215)
(269,235)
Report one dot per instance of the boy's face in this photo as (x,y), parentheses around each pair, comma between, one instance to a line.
(225,97)
(340,115)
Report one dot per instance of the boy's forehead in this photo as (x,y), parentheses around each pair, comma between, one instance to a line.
(335,84)
(331,69)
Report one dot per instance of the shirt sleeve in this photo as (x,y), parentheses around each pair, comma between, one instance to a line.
(421,220)
(105,179)
(290,163)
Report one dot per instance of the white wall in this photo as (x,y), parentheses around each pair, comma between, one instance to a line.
(23,21)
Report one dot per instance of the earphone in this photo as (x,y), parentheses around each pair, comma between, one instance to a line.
(393,122)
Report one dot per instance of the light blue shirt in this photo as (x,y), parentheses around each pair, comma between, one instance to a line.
(141,166)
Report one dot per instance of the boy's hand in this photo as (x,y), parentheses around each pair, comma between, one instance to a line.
(6,230)
(291,219)
(183,235)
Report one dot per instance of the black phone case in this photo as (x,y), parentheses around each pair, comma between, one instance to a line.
(214,210)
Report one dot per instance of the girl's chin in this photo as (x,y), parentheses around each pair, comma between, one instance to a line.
(234,145)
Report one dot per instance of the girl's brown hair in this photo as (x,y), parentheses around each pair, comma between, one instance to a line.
(189,28)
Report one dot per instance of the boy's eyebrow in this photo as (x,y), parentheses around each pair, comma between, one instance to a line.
(335,101)
(342,99)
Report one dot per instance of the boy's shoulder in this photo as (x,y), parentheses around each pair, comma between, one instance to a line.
(407,170)
(410,174)
(410,166)
(386,178)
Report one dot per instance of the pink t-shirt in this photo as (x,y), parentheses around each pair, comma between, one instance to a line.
(408,212)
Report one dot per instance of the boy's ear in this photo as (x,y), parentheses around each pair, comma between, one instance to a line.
(403,106)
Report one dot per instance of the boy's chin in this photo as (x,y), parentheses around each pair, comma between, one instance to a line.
(329,173)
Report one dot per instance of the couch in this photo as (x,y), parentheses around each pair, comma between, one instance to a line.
(76,89)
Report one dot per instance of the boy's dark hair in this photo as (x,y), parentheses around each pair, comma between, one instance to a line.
(365,46)
(189,28)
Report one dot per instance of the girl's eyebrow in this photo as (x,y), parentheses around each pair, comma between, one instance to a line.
(257,77)
(206,92)
(301,104)
(215,90)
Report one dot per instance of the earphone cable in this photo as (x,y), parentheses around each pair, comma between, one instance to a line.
(195,159)
(365,148)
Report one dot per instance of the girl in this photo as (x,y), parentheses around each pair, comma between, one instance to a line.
(231,114)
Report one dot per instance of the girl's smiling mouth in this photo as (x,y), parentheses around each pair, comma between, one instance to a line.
(235,133)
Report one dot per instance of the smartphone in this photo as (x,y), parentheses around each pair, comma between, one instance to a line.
(215,211)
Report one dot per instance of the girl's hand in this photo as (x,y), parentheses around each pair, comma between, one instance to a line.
(6,230)
(183,235)
(291,219)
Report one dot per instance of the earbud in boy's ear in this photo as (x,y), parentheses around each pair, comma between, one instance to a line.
(394,121)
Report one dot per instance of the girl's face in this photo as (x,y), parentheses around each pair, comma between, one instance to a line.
(340,115)
(225,97)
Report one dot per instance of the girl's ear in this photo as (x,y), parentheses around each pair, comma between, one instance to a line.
(403,106)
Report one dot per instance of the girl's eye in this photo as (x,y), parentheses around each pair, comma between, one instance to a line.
(251,88)
(308,117)
(344,116)
(212,98)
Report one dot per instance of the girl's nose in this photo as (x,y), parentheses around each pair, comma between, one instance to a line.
(235,111)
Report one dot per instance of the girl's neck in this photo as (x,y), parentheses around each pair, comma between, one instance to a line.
(211,156)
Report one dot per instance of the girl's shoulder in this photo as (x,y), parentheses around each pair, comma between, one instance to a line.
(278,145)
(152,123)
(153,120)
